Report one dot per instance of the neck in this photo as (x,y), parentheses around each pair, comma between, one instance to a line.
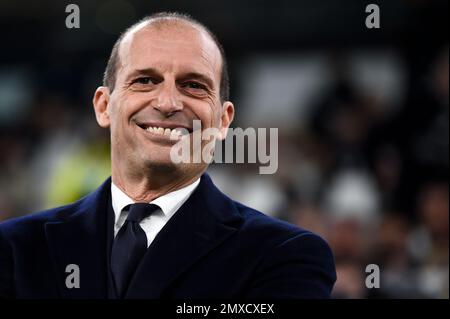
(153,184)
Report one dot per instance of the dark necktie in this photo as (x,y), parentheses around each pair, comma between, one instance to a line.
(129,246)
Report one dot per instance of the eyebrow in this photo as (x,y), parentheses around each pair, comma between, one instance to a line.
(147,71)
(184,76)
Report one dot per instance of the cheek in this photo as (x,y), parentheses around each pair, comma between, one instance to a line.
(209,114)
(124,108)
(118,118)
(216,114)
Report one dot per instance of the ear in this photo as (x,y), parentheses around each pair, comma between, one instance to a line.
(101,102)
(226,118)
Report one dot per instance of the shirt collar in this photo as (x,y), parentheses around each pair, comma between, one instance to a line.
(169,203)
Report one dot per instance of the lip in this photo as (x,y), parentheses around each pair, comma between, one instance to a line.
(145,125)
(159,138)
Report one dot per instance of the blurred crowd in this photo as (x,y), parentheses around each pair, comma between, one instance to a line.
(363,161)
(372,179)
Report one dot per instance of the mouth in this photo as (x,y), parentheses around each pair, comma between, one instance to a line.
(169,130)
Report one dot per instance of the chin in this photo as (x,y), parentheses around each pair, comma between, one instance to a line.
(159,161)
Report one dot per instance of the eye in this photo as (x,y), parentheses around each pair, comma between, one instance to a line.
(194,85)
(144,80)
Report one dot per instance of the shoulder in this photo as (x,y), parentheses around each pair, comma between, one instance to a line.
(254,227)
(292,262)
(29,224)
(271,231)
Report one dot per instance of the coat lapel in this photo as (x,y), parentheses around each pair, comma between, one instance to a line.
(205,220)
(80,239)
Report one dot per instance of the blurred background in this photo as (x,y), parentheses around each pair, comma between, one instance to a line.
(363,119)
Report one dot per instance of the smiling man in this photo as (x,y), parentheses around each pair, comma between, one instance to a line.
(159,229)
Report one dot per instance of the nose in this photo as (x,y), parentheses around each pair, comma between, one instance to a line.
(168,101)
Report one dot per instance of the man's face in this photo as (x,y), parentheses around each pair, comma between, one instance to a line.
(167,77)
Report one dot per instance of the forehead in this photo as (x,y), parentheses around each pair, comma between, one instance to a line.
(172,46)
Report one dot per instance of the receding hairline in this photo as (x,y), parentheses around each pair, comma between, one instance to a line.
(162,20)
(165,22)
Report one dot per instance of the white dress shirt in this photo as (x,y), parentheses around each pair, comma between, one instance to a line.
(168,204)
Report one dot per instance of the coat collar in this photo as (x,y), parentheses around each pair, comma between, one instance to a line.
(80,239)
(205,220)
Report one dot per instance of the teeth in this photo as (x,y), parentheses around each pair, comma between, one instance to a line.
(175,134)
(164,131)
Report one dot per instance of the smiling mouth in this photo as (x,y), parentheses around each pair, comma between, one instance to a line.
(172,132)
